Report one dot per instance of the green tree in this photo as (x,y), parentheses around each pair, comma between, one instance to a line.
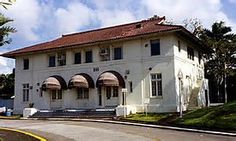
(6,85)
(221,62)
(4,29)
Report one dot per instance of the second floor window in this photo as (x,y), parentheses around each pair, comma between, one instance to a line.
(61,59)
(118,53)
(26,64)
(78,58)
(190,53)
(155,47)
(88,57)
(25,92)
(52,61)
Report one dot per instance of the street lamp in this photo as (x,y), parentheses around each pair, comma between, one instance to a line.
(180,76)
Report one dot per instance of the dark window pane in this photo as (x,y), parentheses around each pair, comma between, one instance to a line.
(86,93)
(54,94)
(88,57)
(59,94)
(108,92)
(80,93)
(26,64)
(115,91)
(52,62)
(78,58)
(117,53)
(155,47)
(154,93)
(190,53)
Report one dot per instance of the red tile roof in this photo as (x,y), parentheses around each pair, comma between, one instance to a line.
(153,25)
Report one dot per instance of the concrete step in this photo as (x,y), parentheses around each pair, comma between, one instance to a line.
(98,113)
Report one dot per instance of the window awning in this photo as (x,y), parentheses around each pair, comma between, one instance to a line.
(108,79)
(54,82)
(51,83)
(79,81)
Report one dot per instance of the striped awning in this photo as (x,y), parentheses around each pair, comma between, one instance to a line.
(51,83)
(108,79)
(79,81)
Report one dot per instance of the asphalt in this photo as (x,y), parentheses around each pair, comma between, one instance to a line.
(103,130)
(143,125)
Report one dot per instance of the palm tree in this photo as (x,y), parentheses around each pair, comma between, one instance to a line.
(222,41)
(5,30)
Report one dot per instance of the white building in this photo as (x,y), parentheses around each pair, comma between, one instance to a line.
(88,70)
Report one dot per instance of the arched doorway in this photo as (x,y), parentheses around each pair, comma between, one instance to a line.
(82,84)
(109,86)
(54,86)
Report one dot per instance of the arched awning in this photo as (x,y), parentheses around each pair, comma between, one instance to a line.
(110,78)
(54,83)
(81,80)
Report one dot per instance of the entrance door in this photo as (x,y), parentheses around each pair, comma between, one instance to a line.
(111,96)
(56,99)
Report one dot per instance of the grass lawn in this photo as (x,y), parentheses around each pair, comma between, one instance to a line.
(149,118)
(215,118)
(220,117)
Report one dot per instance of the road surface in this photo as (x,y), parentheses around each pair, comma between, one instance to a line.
(93,131)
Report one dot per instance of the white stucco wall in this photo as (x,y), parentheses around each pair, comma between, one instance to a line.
(136,58)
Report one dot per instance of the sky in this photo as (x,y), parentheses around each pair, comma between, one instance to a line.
(38,21)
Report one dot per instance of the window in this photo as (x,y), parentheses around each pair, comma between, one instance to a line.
(52,61)
(155,47)
(56,94)
(83,93)
(199,57)
(26,64)
(61,59)
(156,82)
(108,92)
(190,53)
(88,57)
(130,87)
(115,91)
(25,92)
(104,54)
(78,58)
(118,53)
(179,46)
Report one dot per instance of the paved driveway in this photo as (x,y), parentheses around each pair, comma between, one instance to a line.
(91,131)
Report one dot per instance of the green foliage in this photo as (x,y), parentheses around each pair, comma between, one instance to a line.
(4,29)
(220,117)
(149,118)
(6,85)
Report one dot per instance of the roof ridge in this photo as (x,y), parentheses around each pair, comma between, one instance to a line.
(120,25)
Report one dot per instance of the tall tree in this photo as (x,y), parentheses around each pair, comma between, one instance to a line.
(221,62)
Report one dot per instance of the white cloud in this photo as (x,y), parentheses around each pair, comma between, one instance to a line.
(6,65)
(108,18)
(75,16)
(26,15)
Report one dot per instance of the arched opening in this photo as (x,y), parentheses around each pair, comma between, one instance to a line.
(109,86)
(54,86)
(81,84)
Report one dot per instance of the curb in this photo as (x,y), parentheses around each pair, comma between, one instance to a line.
(141,125)
(24,132)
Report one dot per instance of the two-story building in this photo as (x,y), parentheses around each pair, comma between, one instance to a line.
(137,65)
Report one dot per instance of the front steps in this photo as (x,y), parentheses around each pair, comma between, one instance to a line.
(91,113)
